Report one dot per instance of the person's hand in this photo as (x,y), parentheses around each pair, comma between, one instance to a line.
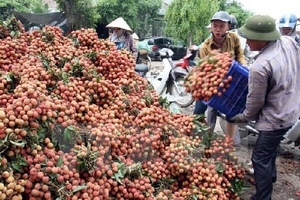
(239,118)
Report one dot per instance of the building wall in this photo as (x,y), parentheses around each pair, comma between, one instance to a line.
(52,5)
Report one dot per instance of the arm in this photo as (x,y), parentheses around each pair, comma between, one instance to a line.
(239,52)
(134,49)
(257,92)
(132,46)
(203,51)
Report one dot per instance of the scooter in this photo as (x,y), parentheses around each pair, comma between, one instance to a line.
(169,83)
(141,69)
(180,69)
(154,54)
(143,63)
(144,58)
(245,129)
(188,61)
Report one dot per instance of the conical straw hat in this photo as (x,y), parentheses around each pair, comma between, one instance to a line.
(119,23)
(135,36)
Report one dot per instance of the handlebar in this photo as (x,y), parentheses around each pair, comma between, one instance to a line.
(222,115)
(250,128)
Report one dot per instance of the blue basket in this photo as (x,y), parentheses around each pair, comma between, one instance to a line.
(233,101)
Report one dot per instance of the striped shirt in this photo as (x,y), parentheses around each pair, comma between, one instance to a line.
(273,100)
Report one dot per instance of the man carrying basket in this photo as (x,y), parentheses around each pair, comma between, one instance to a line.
(273,96)
(222,40)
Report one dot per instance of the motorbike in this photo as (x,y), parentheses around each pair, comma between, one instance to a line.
(141,69)
(188,61)
(144,58)
(180,69)
(143,63)
(169,83)
(245,129)
(155,53)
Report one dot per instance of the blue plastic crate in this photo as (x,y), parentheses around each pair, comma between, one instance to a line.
(233,101)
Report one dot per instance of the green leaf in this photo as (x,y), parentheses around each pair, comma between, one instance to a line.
(59,162)
(219,167)
(52,176)
(72,128)
(18,163)
(12,33)
(70,136)
(19,143)
(67,134)
(8,78)
(238,186)
(119,176)
(78,188)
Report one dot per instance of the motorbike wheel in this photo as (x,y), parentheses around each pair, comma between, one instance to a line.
(244,132)
(186,99)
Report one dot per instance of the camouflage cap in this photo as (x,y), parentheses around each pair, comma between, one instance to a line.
(259,27)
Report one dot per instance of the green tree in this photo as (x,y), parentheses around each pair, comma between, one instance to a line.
(80,13)
(31,6)
(112,9)
(222,4)
(139,15)
(147,15)
(187,19)
(236,9)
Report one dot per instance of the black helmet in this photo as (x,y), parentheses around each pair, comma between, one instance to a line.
(234,22)
(222,16)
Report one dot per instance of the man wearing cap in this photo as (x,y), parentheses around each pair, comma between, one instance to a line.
(224,41)
(273,97)
(121,36)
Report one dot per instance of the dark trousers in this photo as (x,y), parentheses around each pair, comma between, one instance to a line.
(264,162)
(200,108)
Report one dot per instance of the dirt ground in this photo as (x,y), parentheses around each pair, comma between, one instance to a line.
(288,172)
(288,163)
(288,168)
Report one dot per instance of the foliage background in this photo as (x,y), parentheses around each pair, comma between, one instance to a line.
(139,14)
(184,20)
(187,19)
(32,6)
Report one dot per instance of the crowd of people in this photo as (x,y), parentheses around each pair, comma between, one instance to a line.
(273,85)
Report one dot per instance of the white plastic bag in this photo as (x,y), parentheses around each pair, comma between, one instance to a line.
(294,132)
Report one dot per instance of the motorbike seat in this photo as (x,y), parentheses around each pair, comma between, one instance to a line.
(141,68)
(143,51)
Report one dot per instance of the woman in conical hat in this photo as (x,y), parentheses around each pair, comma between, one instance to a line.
(121,35)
